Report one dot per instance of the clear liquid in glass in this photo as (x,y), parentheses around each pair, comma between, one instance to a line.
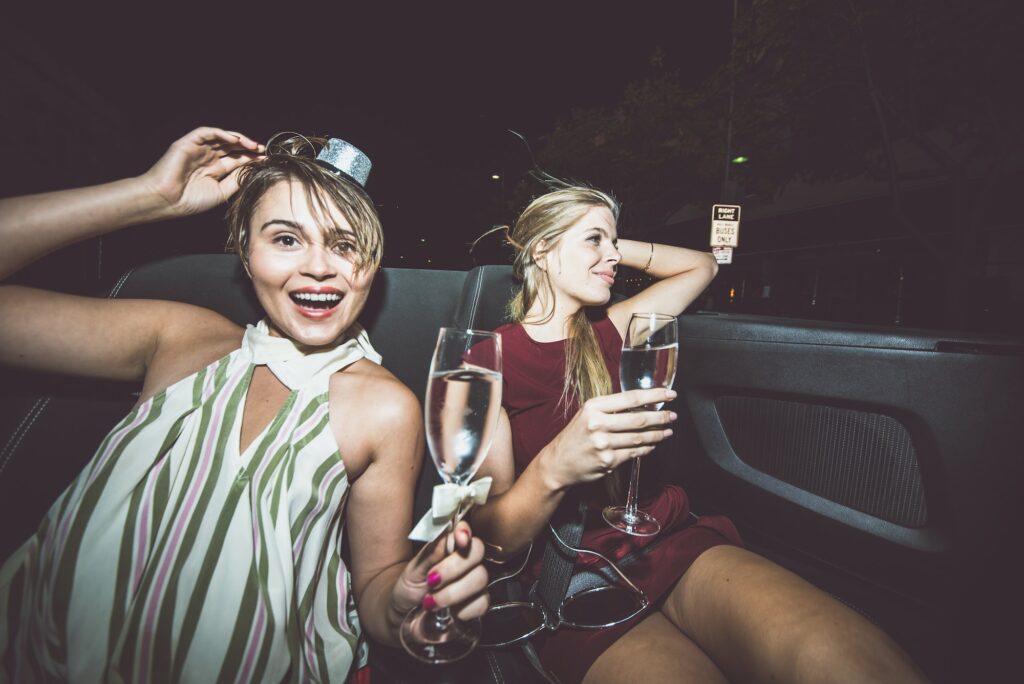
(648,367)
(462,412)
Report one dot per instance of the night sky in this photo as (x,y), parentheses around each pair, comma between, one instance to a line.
(427,94)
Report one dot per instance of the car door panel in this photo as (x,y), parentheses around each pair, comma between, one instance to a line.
(887,459)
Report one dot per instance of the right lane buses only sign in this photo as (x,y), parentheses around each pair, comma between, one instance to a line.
(725,225)
(725,231)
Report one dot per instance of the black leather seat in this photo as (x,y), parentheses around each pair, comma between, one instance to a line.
(51,426)
(486,293)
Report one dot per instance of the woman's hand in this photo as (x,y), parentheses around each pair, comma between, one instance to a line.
(199,171)
(606,432)
(435,579)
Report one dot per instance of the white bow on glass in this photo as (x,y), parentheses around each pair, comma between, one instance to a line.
(449,506)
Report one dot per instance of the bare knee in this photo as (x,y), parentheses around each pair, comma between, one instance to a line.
(708,588)
(759,621)
(655,651)
(838,644)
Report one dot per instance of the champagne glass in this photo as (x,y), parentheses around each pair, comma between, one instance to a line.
(462,407)
(649,353)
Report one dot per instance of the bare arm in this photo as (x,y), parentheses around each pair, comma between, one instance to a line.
(196,173)
(605,433)
(36,225)
(386,583)
(96,337)
(111,339)
(380,506)
(682,275)
(516,510)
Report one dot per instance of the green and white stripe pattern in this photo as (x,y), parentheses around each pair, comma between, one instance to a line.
(173,557)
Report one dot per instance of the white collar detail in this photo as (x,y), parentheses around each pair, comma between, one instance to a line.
(295,368)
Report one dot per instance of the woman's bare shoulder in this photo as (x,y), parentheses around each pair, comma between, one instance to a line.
(193,337)
(368,389)
(375,418)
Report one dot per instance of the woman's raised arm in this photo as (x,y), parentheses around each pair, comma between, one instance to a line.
(96,337)
(195,174)
(682,274)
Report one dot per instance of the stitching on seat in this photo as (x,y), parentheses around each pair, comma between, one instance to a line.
(495,670)
(475,300)
(854,607)
(19,434)
(17,431)
(37,408)
(120,283)
(531,657)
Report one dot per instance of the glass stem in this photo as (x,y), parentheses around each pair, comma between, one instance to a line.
(634,480)
(442,619)
(443,616)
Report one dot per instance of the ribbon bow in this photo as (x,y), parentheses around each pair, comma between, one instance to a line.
(448,505)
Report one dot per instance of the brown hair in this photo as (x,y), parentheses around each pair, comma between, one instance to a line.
(540,227)
(294,158)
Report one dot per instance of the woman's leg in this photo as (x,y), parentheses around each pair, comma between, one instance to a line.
(762,623)
(654,651)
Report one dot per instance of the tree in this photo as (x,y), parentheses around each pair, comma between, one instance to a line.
(827,89)
(642,148)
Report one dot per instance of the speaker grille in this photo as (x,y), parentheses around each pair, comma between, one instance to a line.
(861,460)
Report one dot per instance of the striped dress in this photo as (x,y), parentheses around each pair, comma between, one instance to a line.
(173,557)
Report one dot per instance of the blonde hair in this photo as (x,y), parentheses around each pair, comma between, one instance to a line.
(294,158)
(538,229)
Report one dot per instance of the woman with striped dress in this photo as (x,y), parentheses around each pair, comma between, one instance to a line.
(202,541)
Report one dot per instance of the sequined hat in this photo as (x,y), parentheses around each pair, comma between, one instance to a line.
(345,159)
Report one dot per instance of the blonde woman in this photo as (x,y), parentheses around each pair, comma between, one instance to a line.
(202,542)
(719,612)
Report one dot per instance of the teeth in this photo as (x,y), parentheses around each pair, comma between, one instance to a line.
(314,297)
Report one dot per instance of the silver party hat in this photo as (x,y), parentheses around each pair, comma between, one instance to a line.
(345,159)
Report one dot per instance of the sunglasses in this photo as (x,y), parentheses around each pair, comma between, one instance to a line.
(593,607)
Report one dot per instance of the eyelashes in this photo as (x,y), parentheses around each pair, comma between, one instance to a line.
(343,247)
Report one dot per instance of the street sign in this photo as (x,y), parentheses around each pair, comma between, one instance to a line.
(723,255)
(725,225)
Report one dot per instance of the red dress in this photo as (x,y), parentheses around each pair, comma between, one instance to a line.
(533,376)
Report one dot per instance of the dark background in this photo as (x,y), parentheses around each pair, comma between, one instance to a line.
(649,101)
(427,95)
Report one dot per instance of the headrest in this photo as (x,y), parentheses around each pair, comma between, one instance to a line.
(485,297)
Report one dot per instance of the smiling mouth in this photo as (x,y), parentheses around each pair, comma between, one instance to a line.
(321,301)
(607,277)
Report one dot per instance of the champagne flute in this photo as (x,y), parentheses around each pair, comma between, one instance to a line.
(649,353)
(462,407)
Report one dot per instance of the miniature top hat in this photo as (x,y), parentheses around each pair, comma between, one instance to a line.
(346,160)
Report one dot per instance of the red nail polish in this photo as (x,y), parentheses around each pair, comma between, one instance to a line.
(433,579)
(429,603)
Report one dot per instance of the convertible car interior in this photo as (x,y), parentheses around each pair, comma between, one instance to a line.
(882,464)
